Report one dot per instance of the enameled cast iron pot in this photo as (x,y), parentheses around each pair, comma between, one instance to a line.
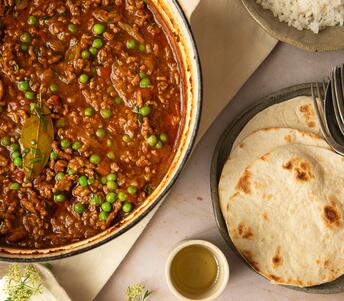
(175,18)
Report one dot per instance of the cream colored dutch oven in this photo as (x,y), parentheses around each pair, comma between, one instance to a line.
(175,16)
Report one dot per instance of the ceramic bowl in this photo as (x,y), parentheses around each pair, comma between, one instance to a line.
(223,271)
(329,39)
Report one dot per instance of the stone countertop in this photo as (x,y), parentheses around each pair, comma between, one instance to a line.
(187,211)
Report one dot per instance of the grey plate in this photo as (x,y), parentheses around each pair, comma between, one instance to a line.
(329,39)
(221,154)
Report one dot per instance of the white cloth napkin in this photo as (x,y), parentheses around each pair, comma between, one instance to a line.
(231,47)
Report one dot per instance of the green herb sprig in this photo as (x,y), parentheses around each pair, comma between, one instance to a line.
(22,282)
(138,292)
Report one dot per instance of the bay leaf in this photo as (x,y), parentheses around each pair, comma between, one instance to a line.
(36,140)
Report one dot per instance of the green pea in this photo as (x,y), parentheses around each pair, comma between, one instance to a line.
(100,133)
(103,180)
(14,147)
(98,43)
(111,177)
(111,197)
(85,54)
(23,86)
(79,208)
(118,100)
(93,51)
(30,95)
(106,113)
(59,176)
(152,140)
(132,190)
(83,181)
(103,216)
(108,142)
(71,171)
(145,83)
(14,186)
(142,75)
(5,141)
(126,138)
(95,159)
(159,145)
(163,137)
(106,206)
(53,155)
(59,197)
(24,47)
(61,123)
(145,110)
(127,207)
(131,44)
(83,78)
(111,155)
(98,28)
(142,47)
(54,88)
(72,28)
(96,200)
(18,161)
(111,185)
(89,112)
(76,145)
(65,143)
(122,196)
(32,20)
(25,37)
(15,154)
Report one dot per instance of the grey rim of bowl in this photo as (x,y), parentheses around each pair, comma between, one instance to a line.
(221,153)
(154,203)
(290,33)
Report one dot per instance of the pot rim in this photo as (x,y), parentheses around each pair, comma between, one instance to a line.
(42,257)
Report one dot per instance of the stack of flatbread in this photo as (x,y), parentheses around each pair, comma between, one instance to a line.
(282,196)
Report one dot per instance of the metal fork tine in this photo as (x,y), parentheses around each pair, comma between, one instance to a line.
(337,99)
(323,125)
(315,91)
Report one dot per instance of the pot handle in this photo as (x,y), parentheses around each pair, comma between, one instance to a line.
(188,6)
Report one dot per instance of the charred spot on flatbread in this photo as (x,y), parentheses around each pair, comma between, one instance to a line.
(275,278)
(308,113)
(245,231)
(277,258)
(288,138)
(331,214)
(244,182)
(249,258)
(300,168)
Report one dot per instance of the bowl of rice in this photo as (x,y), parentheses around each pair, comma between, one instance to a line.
(314,25)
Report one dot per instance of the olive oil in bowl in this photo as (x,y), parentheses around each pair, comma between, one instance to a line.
(197,270)
(194,271)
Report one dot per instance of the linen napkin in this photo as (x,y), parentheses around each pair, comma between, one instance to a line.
(231,46)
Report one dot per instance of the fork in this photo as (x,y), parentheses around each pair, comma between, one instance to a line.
(324,104)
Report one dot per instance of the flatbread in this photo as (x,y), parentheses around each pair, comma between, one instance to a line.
(297,113)
(286,215)
(252,148)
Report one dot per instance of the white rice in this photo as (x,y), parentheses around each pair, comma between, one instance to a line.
(307,14)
